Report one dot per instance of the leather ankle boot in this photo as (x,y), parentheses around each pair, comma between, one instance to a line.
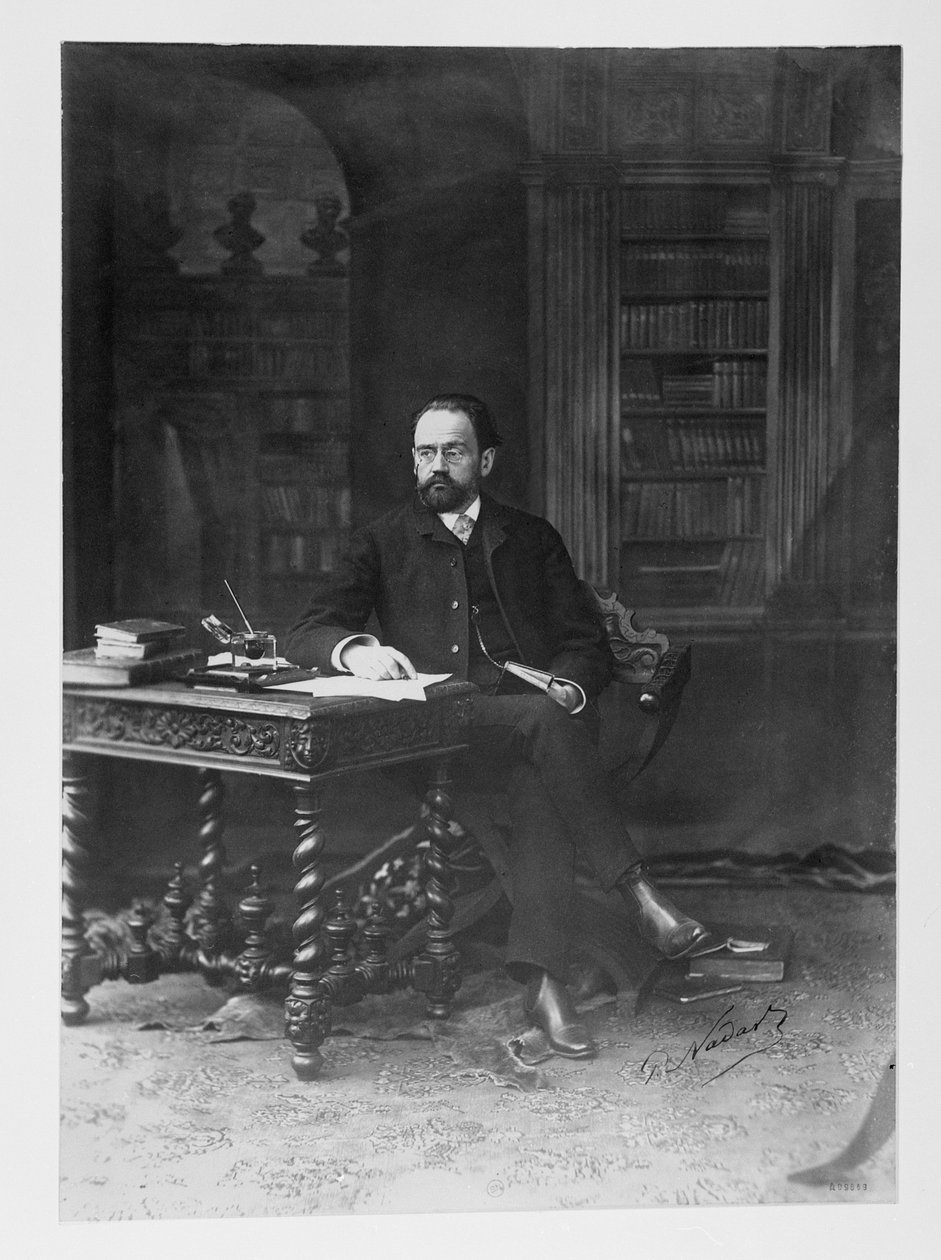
(550,1007)
(661,923)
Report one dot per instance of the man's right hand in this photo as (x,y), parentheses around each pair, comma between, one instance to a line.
(376,661)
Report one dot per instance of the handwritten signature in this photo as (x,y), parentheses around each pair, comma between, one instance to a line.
(722,1032)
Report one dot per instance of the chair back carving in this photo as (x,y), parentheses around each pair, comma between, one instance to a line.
(637,653)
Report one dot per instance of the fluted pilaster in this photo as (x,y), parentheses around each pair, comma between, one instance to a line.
(803,457)
(579,428)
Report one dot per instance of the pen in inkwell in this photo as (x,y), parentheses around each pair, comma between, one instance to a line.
(238,606)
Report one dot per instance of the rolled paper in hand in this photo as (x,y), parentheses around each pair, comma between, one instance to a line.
(537,678)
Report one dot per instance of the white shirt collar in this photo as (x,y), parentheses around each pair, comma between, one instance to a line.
(448,518)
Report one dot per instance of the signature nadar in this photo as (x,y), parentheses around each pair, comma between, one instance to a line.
(724,1031)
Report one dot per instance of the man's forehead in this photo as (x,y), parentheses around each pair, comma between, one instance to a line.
(444,426)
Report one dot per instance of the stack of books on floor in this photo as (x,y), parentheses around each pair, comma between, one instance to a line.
(743,953)
(731,957)
(127,653)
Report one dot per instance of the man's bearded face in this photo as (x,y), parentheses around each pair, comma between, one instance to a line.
(448,466)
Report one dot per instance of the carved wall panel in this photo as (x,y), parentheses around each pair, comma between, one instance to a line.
(732,112)
(807,97)
(657,113)
(582,100)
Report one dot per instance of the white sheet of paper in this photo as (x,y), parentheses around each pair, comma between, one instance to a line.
(347,685)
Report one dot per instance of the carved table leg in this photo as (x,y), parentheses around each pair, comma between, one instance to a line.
(253,964)
(307,1007)
(213,921)
(76,844)
(436,972)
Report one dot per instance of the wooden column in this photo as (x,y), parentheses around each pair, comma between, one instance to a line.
(802,437)
(579,430)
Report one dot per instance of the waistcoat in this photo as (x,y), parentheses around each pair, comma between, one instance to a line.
(490,621)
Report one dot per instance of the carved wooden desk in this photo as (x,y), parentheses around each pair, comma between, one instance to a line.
(303,741)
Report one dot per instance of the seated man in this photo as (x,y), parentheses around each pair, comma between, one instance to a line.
(461,584)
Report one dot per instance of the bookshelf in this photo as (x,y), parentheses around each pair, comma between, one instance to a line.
(693,421)
(693,269)
(257,369)
(303,485)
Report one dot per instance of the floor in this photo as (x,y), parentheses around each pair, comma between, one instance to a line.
(162,1120)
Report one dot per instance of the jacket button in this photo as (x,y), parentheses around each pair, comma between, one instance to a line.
(454,562)
(455,647)
(455,603)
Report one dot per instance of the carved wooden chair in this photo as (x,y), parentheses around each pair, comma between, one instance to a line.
(638,711)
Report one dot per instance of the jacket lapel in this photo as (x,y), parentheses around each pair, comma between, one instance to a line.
(492,521)
(431,525)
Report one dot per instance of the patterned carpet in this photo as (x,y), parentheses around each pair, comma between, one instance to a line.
(170,1122)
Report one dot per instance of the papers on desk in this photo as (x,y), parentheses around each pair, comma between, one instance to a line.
(347,685)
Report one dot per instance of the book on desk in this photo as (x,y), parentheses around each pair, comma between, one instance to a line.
(84,668)
(130,652)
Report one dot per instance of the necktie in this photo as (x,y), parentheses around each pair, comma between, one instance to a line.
(463,527)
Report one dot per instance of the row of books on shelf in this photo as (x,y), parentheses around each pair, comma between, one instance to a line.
(742,572)
(303,504)
(692,509)
(730,384)
(301,553)
(323,464)
(324,444)
(716,324)
(273,360)
(311,324)
(730,574)
(666,445)
(732,265)
(312,416)
(689,210)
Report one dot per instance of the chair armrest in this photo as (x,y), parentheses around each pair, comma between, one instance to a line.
(670,677)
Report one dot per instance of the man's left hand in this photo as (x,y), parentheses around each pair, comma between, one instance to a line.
(565,694)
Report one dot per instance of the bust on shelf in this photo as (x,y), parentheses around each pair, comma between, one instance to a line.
(326,237)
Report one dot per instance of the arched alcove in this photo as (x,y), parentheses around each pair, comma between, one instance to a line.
(231,348)
(231,137)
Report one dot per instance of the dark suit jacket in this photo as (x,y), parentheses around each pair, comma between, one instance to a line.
(407,568)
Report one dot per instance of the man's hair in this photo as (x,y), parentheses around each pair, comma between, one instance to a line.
(469,406)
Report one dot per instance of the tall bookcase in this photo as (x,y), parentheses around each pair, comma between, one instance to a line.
(251,375)
(693,271)
(690,421)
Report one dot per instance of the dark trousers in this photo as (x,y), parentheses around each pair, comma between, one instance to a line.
(561,802)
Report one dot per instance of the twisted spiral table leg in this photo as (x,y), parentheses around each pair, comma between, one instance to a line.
(76,844)
(437,970)
(213,920)
(307,1009)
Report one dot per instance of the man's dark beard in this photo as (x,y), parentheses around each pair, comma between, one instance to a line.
(441,494)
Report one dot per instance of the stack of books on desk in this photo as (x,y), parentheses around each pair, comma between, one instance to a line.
(131,652)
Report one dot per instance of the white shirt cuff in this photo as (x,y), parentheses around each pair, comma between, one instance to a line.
(584,699)
(369,640)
